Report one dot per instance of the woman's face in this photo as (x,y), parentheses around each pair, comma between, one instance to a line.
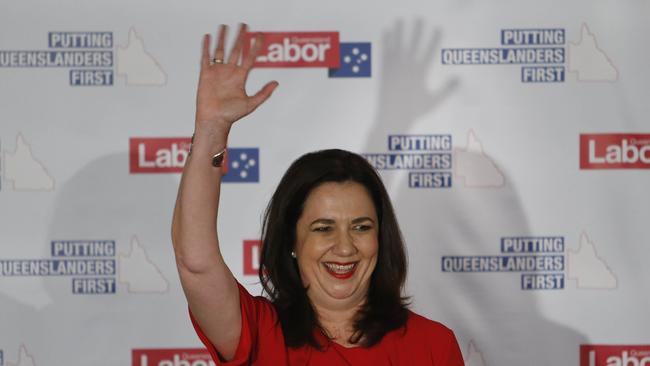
(337,244)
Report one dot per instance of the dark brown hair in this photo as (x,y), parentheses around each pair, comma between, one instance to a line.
(385,308)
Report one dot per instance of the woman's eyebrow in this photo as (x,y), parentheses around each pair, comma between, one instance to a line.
(323,221)
(362,219)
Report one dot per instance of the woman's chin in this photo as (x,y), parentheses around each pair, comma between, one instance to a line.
(342,291)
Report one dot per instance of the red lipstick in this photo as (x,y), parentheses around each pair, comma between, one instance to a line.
(341,271)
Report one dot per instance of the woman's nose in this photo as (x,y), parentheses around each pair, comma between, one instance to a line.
(344,245)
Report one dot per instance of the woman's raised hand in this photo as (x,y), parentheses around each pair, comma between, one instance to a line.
(221,96)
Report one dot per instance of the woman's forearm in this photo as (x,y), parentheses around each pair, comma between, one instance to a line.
(194,226)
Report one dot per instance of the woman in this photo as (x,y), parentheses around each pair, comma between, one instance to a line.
(333,262)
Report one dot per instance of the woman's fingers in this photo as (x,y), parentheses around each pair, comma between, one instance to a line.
(205,53)
(219,52)
(236,50)
(230,78)
(249,59)
(262,95)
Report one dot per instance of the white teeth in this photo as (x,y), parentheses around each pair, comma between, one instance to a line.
(339,268)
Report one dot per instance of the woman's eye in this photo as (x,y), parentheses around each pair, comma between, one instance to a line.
(323,229)
(362,227)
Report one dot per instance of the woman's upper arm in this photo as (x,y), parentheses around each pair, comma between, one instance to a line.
(214,301)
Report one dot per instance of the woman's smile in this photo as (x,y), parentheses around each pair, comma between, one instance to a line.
(340,270)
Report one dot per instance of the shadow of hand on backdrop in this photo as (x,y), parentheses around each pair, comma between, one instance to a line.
(404,93)
(504,322)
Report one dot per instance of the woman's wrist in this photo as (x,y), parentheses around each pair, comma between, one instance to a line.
(212,126)
(210,137)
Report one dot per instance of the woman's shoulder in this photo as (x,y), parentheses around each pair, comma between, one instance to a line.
(421,325)
(425,341)
(257,310)
(422,341)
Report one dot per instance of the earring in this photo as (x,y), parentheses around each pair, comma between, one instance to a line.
(293,254)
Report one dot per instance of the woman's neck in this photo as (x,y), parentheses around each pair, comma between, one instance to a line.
(338,323)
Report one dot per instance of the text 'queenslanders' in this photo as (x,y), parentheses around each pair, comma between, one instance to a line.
(89,54)
(56,58)
(503,263)
(87,258)
(544,257)
(495,56)
(57,267)
(428,159)
(544,48)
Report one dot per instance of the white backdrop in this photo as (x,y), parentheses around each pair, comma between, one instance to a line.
(522,250)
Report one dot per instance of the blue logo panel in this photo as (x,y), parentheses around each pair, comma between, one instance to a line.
(243,166)
(355,60)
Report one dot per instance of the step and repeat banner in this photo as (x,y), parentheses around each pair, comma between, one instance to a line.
(513,137)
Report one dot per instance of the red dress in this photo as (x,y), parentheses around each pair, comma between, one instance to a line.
(421,342)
